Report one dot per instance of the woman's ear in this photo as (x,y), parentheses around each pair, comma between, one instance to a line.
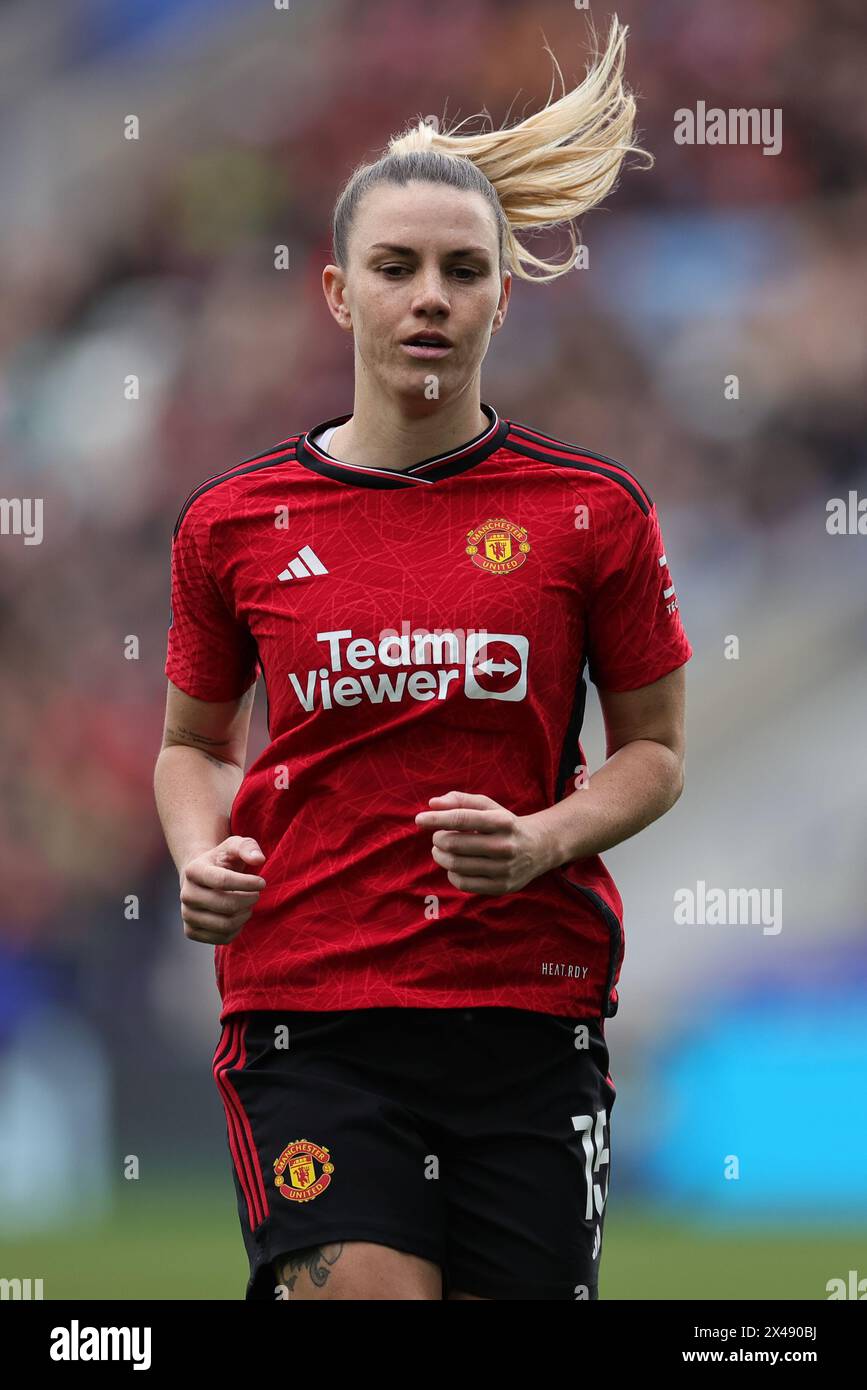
(503,305)
(333,287)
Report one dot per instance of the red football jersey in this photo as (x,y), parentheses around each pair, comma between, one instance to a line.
(418,631)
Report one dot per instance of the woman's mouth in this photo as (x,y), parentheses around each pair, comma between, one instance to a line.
(424,347)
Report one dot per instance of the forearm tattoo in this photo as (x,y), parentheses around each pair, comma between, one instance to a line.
(190,736)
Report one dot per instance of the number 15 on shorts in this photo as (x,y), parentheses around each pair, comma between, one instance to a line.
(595,1154)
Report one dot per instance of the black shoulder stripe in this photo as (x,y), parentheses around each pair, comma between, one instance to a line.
(580,462)
(271,458)
(540,439)
(535,446)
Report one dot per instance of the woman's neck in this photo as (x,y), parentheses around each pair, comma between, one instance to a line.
(386,437)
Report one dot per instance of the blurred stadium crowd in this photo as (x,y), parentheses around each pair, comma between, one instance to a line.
(155,257)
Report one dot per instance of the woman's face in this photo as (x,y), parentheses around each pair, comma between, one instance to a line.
(420,257)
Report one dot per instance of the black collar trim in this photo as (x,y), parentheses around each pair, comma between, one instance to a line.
(427,471)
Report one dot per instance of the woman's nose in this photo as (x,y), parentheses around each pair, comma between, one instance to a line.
(430,291)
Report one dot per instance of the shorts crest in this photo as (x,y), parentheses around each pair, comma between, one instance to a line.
(300,1158)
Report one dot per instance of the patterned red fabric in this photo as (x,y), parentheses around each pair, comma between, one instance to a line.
(418,631)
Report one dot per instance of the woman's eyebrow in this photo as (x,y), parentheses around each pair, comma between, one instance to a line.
(479,251)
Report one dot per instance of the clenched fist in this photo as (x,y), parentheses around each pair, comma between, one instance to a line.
(217,896)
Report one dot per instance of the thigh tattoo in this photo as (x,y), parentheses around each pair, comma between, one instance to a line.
(316,1259)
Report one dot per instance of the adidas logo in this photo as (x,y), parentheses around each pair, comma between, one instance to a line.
(306,562)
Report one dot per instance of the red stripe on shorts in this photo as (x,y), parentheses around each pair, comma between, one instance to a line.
(232,1052)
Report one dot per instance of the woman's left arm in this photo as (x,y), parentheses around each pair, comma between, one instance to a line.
(486,848)
(641,779)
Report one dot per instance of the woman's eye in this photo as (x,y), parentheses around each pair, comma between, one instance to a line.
(462,270)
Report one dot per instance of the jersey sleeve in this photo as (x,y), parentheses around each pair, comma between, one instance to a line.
(634,634)
(211,654)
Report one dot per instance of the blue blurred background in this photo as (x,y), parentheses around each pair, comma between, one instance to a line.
(740,1056)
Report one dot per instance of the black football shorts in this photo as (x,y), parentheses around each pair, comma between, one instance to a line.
(477,1138)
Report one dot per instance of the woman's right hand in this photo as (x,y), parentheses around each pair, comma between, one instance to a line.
(217,896)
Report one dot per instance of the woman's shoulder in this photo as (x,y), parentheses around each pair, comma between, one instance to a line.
(565,453)
(215,494)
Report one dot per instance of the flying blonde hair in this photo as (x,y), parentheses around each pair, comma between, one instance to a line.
(545,171)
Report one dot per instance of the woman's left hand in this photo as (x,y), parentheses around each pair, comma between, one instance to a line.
(484,847)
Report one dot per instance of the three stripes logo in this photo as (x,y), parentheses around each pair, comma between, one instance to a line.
(305,563)
(230,1059)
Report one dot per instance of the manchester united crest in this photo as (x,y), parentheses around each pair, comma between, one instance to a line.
(498,545)
(298,1162)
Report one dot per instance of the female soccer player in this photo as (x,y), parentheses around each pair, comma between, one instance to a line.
(417,944)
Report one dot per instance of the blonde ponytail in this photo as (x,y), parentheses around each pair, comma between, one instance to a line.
(545,171)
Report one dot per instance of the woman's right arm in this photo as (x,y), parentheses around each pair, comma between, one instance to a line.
(197,775)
